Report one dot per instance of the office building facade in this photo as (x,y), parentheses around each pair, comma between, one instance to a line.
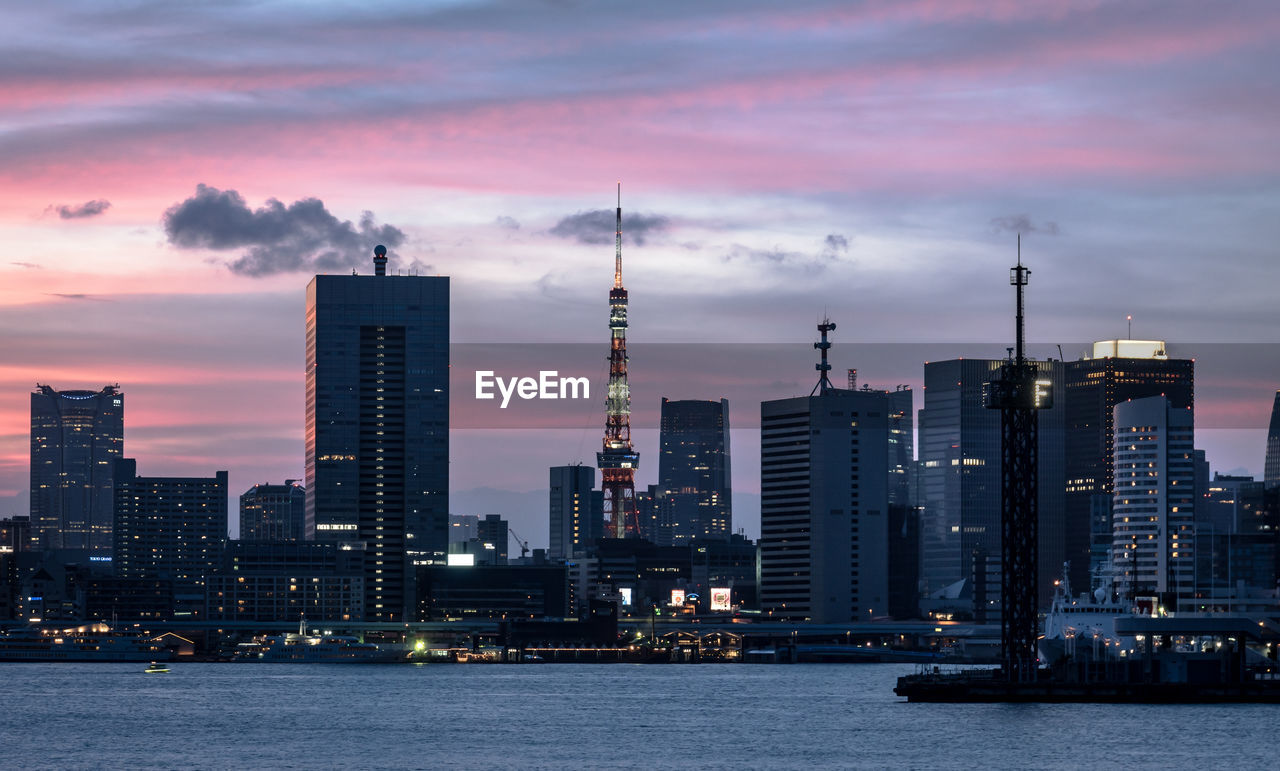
(1271,469)
(576,511)
(826,489)
(1153,542)
(960,487)
(694,469)
(377,426)
(76,438)
(273,512)
(1117,371)
(170,528)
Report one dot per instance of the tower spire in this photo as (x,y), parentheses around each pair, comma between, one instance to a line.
(824,382)
(617,245)
(617,458)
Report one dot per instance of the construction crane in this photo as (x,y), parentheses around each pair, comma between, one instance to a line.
(524,545)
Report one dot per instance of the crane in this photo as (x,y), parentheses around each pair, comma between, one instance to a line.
(524,545)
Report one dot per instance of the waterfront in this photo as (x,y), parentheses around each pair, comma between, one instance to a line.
(578,716)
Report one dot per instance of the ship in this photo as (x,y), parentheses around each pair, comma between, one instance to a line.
(304,648)
(92,642)
(1084,627)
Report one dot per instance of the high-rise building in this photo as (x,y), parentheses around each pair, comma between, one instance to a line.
(76,437)
(577,511)
(273,512)
(824,506)
(1117,371)
(493,531)
(1271,471)
(694,469)
(1153,541)
(170,528)
(960,487)
(377,426)
(827,486)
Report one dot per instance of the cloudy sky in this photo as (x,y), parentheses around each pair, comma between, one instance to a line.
(171,176)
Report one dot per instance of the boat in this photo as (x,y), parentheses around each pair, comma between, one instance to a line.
(1084,627)
(301,647)
(91,642)
(156,667)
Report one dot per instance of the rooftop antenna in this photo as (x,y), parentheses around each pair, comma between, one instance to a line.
(1129,318)
(379,260)
(824,382)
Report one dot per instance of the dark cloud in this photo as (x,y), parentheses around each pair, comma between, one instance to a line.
(78,296)
(1021,223)
(598,226)
(303,236)
(83,211)
(509,223)
(835,245)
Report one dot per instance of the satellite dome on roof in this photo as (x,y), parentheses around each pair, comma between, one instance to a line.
(379,260)
(380,251)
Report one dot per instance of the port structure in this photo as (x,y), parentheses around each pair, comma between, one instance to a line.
(617,458)
(1019,396)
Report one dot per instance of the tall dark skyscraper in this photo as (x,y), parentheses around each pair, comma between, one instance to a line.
(377,425)
(273,512)
(694,468)
(577,511)
(960,491)
(826,488)
(76,438)
(1119,370)
(1271,472)
(170,528)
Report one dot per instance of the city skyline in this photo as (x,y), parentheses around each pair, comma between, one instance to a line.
(930,136)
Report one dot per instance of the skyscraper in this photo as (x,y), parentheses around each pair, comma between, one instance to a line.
(76,437)
(576,512)
(1117,371)
(377,425)
(1271,472)
(960,488)
(273,512)
(825,494)
(170,528)
(694,468)
(1153,539)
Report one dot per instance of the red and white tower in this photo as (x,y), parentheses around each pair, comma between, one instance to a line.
(617,459)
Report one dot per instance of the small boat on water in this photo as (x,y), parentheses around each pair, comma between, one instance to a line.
(156,667)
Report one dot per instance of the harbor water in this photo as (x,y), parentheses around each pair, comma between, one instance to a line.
(308,716)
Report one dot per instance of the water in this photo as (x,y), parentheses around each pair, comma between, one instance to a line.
(580,716)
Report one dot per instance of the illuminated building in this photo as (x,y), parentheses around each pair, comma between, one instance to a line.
(1271,471)
(576,512)
(960,486)
(279,581)
(694,469)
(273,512)
(76,437)
(827,485)
(1117,371)
(617,458)
(1153,532)
(377,426)
(170,528)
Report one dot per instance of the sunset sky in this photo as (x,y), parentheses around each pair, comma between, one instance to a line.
(172,176)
